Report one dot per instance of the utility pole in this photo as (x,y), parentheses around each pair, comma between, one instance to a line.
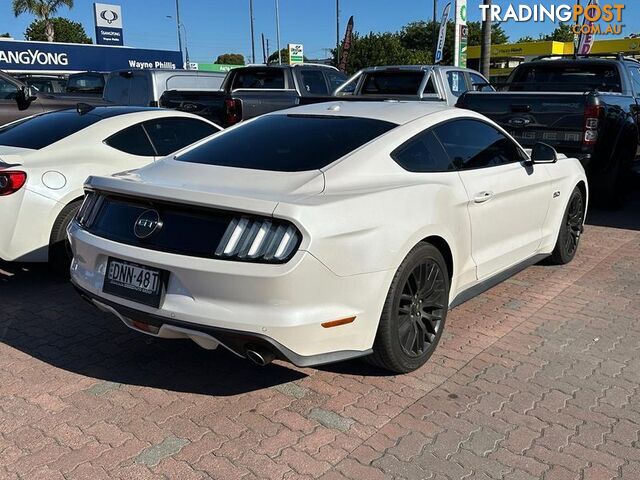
(178,26)
(264,51)
(278,32)
(253,43)
(268,50)
(337,32)
(485,44)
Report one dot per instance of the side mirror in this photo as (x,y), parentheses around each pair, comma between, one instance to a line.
(24,96)
(543,153)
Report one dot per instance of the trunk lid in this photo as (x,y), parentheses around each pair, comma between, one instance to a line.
(257,191)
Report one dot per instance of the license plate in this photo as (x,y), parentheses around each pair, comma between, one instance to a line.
(135,282)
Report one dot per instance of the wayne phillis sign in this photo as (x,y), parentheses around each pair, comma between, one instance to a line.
(108,20)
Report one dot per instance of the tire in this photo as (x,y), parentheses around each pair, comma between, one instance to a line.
(570,230)
(59,249)
(409,331)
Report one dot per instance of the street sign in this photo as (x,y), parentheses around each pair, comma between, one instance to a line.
(296,53)
(460,51)
(108,21)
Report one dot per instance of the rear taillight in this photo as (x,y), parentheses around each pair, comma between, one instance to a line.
(232,111)
(89,209)
(592,118)
(11,182)
(258,240)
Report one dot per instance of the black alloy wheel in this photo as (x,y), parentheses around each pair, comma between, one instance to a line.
(570,230)
(421,308)
(414,312)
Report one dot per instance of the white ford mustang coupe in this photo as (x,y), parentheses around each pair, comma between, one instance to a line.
(45,160)
(325,232)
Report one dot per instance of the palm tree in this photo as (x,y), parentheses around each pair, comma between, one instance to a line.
(42,10)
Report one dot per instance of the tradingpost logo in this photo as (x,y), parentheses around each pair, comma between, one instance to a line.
(589,19)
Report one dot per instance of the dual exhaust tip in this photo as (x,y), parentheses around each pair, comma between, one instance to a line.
(259,355)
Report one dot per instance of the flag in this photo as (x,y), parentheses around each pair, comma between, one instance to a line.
(442,36)
(586,40)
(346,46)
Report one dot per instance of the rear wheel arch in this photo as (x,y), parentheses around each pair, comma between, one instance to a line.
(444,248)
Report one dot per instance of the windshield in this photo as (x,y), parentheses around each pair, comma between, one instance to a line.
(392,83)
(43,130)
(288,143)
(566,78)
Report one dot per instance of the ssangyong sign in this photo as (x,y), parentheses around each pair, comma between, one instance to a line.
(19,56)
(108,20)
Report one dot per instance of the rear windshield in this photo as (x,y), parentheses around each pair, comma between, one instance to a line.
(566,78)
(267,78)
(41,131)
(392,83)
(288,143)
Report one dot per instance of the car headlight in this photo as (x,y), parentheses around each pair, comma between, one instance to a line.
(258,240)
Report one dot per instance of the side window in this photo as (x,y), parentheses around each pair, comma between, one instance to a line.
(457,82)
(475,144)
(313,82)
(132,140)
(172,134)
(335,79)
(478,83)
(7,90)
(423,153)
(635,77)
(430,88)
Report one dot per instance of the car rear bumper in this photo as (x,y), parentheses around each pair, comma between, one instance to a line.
(238,304)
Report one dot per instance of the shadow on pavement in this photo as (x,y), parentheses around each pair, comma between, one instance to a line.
(42,316)
(627,218)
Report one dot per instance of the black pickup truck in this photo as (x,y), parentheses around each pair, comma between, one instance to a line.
(255,90)
(585,107)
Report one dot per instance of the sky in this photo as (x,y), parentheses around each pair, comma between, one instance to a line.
(222,26)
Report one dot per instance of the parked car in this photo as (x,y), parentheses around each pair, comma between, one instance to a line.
(415,82)
(86,83)
(251,91)
(45,159)
(586,107)
(45,83)
(325,232)
(18,100)
(145,87)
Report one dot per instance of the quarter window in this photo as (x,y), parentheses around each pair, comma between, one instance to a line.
(457,83)
(423,153)
(172,134)
(473,144)
(132,140)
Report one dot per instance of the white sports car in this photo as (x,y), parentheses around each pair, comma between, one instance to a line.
(325,232)
(45,160)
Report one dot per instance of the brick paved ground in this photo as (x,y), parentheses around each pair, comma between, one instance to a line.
(538,378)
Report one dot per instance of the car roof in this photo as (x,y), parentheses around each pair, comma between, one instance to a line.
(108,111)
(395,111)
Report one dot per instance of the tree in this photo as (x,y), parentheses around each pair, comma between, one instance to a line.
(498,35)
(563,33)
(526,39)
(273,58)
(65,30)
(5,35)
(42,10)
(230,59)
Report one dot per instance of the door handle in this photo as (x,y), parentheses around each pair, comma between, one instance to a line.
(483,197)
